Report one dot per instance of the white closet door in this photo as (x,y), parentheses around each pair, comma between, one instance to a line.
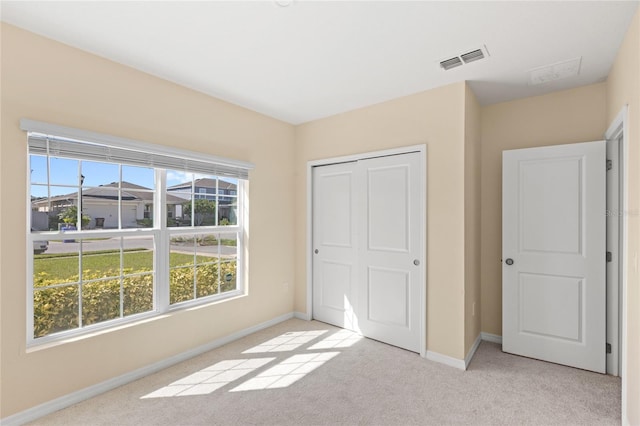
(335,245)
(390,250)
(367,233)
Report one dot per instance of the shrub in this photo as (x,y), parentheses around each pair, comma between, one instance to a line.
(56,309)
(145,223)
(70,215)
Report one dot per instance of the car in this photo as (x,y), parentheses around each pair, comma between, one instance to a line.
(40,247)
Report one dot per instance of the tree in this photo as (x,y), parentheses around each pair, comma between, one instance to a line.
(203,208)
(70,216)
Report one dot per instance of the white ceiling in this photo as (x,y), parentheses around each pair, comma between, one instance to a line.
(309,60)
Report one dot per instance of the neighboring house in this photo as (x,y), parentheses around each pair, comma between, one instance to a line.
(101,204)
(224,193)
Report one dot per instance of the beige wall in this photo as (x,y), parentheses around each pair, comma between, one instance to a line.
(570,116)
(623,87)
(434,118)
(471,220)
(48,81)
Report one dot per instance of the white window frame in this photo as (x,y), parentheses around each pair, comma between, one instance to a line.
(160,232)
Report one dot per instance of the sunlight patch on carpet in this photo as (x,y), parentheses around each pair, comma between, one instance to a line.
(286,342)
(210,379)
(286,373)
(341,339)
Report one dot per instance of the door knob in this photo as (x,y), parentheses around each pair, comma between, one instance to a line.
(509,261)
(416,262)
(316,251)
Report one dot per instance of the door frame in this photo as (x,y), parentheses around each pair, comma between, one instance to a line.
(620,126)
(422,151)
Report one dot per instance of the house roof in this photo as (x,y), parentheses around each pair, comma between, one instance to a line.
(130,192)
(204,183)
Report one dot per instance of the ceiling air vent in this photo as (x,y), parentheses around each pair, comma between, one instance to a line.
(474,55)
(465,58)
(447,64)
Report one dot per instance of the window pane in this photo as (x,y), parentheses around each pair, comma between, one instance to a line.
(130,212)
(38,167)
(181,284)
(141,177)
(181,262)
(147,216)
(179,181)
(137,205)
(228,246)
(137,209)
(179,198)
(39,192)
(182,250)
(228,258)
(138,254)
(228,276)
(55,309)
(182,218)
(175,206)
(100,301)
(206,280)
(100,174)
(100,207)
(39,210)
(204,212)
(205,206)
(100,258)
(61,205)
(203,201)
(58,265)
(227,200)
(63,172)
(138,294)
(228,212)
(137,257)
(206,248)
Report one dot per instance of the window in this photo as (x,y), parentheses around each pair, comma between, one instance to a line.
(112,247)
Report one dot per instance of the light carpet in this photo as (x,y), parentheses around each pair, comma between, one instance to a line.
(310,373)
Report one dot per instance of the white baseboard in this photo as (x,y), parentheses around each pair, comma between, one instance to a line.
(472,352)
(493,338)
(97,389)
(302,316)
(446,360)
(463,364)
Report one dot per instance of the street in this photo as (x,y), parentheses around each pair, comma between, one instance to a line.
(133,243)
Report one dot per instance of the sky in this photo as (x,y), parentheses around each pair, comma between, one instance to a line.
(64,173)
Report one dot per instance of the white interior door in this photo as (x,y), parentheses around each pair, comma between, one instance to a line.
(553,248)
(390,253)
(335,244)
(367,242)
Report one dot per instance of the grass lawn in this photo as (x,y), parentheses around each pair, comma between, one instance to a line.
(65,267)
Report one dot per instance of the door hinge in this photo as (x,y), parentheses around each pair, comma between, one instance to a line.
(609,164)
(608,348)
(609,256)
